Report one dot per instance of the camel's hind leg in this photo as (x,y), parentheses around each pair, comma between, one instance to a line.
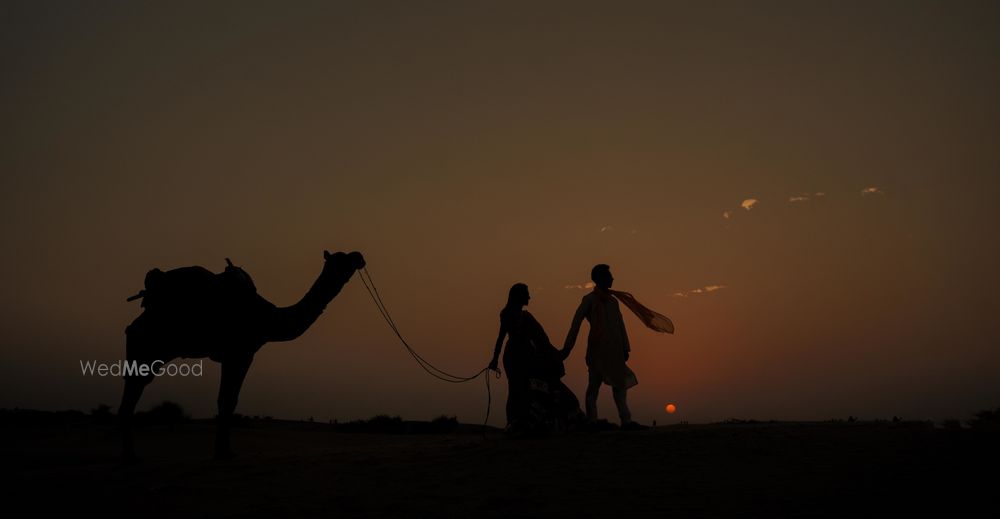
(234,371)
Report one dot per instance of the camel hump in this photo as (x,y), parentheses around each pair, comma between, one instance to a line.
(196,288)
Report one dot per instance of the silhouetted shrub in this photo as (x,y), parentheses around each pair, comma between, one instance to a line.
(951,425)
(386,423)
(445,423)
(165,413)
(102,414)
(986,421)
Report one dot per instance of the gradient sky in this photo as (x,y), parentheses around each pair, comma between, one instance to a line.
(463,147)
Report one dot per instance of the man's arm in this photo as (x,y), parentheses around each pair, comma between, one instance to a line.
(628,347)
(574,328)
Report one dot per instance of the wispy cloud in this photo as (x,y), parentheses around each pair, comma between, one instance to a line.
(612,228)
(872,191)
(700,290)
(583,286)
(805,197)
(747,204)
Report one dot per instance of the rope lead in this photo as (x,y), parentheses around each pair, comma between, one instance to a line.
(422,362)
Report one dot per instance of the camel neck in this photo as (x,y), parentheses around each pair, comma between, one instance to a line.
(290,322)
(322,291)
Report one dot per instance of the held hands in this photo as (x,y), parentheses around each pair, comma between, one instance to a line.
(493,366)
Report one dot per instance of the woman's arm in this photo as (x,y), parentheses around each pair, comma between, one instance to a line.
(496,349)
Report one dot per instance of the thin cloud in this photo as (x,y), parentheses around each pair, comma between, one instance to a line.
(584,286)
(747,204)
(702,290)
(805,197)
(607,228)
(871,191)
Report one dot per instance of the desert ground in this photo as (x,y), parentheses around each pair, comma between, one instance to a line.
(740,469)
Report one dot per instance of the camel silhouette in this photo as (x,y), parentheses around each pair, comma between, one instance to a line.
(226,325)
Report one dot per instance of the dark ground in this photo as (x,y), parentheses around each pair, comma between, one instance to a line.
(298,468)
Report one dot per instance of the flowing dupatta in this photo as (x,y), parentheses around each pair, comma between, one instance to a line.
(653,320)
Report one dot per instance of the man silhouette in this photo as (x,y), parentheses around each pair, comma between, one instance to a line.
(607,346)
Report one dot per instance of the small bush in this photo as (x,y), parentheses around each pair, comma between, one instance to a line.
(165,413)
(951,425)
(444,424)
(102,414)
(988,420)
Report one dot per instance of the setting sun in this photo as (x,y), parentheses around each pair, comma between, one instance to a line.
(671,408)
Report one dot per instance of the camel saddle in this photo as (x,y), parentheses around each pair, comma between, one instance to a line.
(194,287)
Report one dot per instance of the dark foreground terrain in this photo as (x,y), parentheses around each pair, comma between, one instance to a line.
(297,468)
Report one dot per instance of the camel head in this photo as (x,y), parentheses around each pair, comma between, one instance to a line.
(344,263)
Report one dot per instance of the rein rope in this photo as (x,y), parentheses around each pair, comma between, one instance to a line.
(366,280)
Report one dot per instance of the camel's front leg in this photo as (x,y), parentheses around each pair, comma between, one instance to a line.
(134,385)
(233,373)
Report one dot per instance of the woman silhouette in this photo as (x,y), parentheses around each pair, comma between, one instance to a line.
(536,397)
